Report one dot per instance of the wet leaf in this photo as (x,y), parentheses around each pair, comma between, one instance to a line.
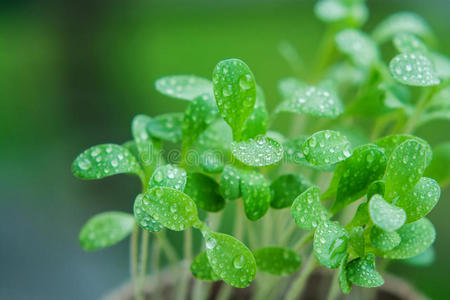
(344,284)
(184,87)
(293,153)
(401,22)
(418,202)
(230,259)
(353,12)
(384,240)
(442,64)
(330,244)
(358,46)
(326,147)
(255,191)
(105,229)
(375,188)
(212,161)
(258,152)
(166,127)
(366,165)
(405,168)
(172,208)
(205,192)
(277,260)
(258,121)
(105,160)
(288,86)
(286,188)
(356,242)
(361,271)
(235,93)
(385,215)
(230,182)
(424,259)
(409,43)
(441,157)
(201,269)
(144,219)
(168,176)
(361,217)
(414,69)
(415,237)
(318,101)
(307,210)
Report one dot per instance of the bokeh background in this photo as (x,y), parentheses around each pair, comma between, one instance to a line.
(74,73)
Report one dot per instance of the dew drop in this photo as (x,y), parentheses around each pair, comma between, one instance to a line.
(238,262)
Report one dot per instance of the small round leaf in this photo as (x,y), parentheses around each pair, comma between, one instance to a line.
(344,284)
(414,69)
(384,240)
(330,244)
(184,87)
(230,182)
(277,260)
(201,269)
(409,43)
(307,210)
(286,188)
(258,152)
(258,121)
(205,192)
(441,157)
(361,271)
(326,147)
(255,191)
(144,219)
(168,176)
(385,215)
(166,127)
(358,46)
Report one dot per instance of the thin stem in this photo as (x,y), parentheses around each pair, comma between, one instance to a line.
(155,259)
(420,107)
(167,248)
(187,258)
(298,284)
(284,238)
(333,292)
(303,241)
(134,257)
(143,261)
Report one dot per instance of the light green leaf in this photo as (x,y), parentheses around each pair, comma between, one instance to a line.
(277,260)
(326,147)
(366,165)
(293,153)
(258,121)
(434,115)
(409,43)
(105,229)
(212,161)
(418,202)
(230,259)
(361,271)
(442,65)
(344,284)
(353,12)
(414,69)
(441,158)
(384,240)
(166,127)
(358,46)
(307,210)
(385,215)
(258,152)
(205,192)
(416,238)
(405,168)
(287,87)
(424,259)
(172,208)
(184,87)
(401,22)
(168,176)
(286,188)
(361,217)
(230,182)
(144,219)
(105,160)
(318,101)
(330,244)
(255,191)
(201,269)
(235,93)
(356,246)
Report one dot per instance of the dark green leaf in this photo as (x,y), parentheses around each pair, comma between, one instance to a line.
(258,121)
(201,269)
(356,246)
(105,229)
(258,152)
(277,260)
(168,176)
(330,244)
(286,188)
(361,216)
(230,182)
(326,147)
(375,188)
(344,284)
(255,191)
(361,271)
(385,215)
(384,240)
(166,127)
(184,87)
(205,192)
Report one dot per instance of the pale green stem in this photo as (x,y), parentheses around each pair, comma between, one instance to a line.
(143,262)
(420,107)
(133,259)
(155,259)
(303,241)
(333,292)
(167,248)
(299,283)
(185,274)
(284,238)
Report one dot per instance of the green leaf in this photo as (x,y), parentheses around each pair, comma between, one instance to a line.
(441,157)
(409,43)
(405,168)
(384,240)
(416,238)
(105,229)
(293,153)
(424,259)
(318,101)
(230,259)
(358,46)
(212,161)
(168,176)
(356,244)
(366,165)
(172,208)
(277,260)
(255,191)
(258,152)
(385,215)
(199,114)
(235,93)
(230,182)
(144,219)
(258,121)
(166,127)
(418,202)
(201,269)
(442,64)
(330,244)
(361,217)
(355,13)
(361,271)
(205,192)
(288,86)
(307,210)
(184,87)
(414,69)
(326,147)
(401,22)
(375,188)
(286,188)
(105,160)
(344,284)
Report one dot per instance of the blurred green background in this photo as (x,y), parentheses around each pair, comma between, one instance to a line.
(74,73)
